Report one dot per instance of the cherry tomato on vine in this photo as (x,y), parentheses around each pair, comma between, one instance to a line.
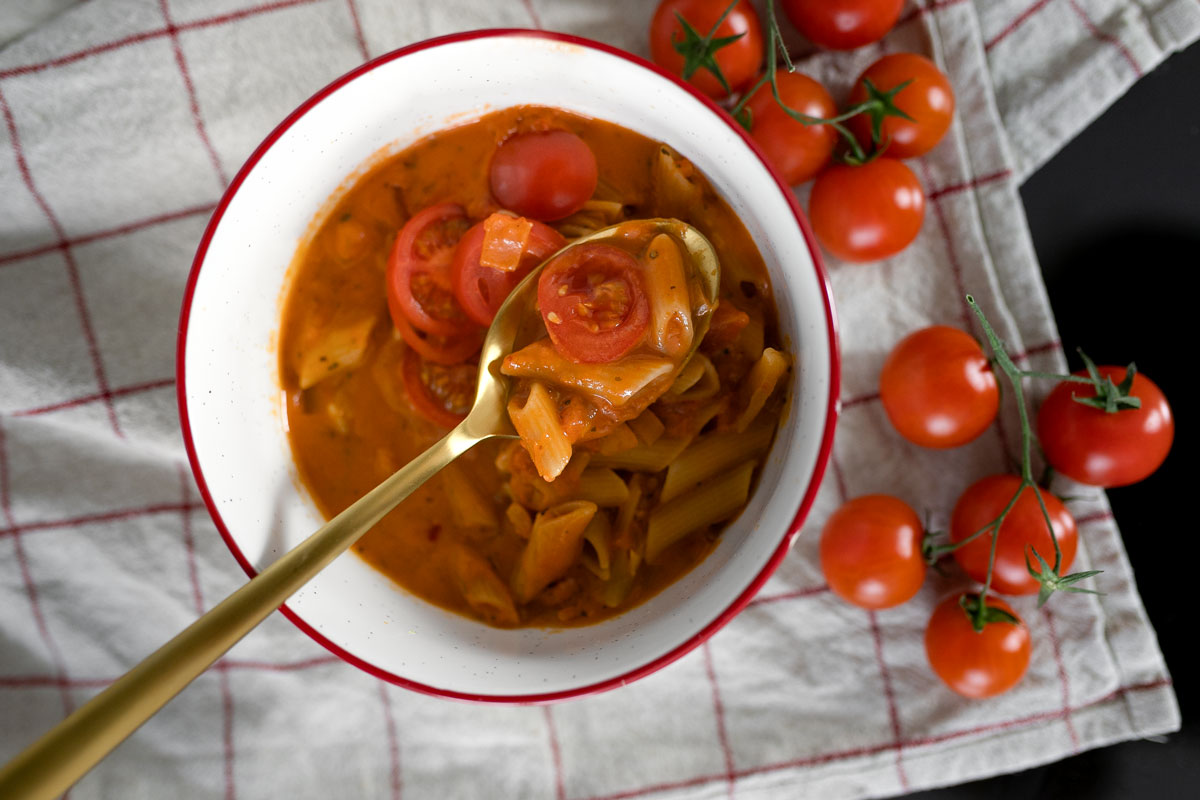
(928,99)
(843,24)
(1023,528)
(938,389)
(593,303)
(481,290)
(871,552)
(1101,449)
(419,284)
(976,664)
(544,175)
(868,212)
(441,394)
(797,151)
(738,60)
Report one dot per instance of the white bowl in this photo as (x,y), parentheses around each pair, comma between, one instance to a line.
(230,396)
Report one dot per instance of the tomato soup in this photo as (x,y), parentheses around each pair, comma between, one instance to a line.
(645,407)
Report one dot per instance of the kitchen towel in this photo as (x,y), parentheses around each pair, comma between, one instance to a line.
(122,123)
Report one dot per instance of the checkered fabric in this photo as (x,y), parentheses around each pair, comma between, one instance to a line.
(121,122)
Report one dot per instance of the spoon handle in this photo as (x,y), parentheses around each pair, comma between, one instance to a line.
(63,755)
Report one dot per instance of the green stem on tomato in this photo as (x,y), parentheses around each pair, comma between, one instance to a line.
(1047,576)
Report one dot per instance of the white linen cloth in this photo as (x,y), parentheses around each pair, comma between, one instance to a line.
(122,122)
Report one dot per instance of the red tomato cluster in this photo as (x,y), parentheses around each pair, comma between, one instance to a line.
(446,279)
(871,205)
(939,390)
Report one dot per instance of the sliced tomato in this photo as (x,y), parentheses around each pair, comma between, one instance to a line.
(441,394)
(440,349)
(593,303)
(420,286)
(481,290)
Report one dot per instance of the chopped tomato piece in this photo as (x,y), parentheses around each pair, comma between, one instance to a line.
(505,239)
(593,303)
(481,289)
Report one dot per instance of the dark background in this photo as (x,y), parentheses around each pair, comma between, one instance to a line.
(1115,219)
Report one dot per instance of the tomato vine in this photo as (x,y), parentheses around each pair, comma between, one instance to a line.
(1110,397)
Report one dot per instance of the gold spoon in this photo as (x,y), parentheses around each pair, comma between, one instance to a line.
(63,755)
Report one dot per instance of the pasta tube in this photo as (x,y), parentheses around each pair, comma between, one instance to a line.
(759,384)
(335,351)
(483,590)
(602,487)
(670,300)
(554,545)
(644,457)
(596,555)
(712,454)
(710,502)
(647,426)
(541,431)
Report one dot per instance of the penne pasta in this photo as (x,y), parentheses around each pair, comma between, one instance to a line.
(481,587)
(645,457)
(519,519)
(536,493)
(711,454)
(555,542)
(647,427)
(670,297)
(617,440)
(471,510)
(712,501)
(603,487)
(759,384)
(703,381)
(541,432)
(334,351)
(596,555)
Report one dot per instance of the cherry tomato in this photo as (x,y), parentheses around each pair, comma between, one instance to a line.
(976,664)
(871,552)
(938,389)
(1102,449)
(593,303)
(738,61)
(797,151)
(419,284)
(441,394)
(481,290)
(544,175)
(441,349)
(928,99)
(1024,528)
(843,24)
(869,212)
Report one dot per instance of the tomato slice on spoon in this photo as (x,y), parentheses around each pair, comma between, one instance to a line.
(593,303)
(480,289)
(419,281)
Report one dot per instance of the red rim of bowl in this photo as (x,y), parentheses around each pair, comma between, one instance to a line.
(805,504)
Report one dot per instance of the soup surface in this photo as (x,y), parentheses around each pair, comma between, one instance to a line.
(379,348)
